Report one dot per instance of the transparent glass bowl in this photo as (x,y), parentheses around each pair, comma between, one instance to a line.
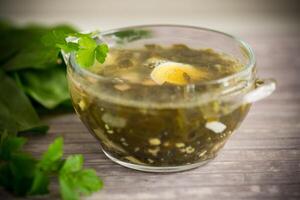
(166,128)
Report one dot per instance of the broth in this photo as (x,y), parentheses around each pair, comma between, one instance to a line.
(156,132)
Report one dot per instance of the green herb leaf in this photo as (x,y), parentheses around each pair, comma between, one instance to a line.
(48,87)
(17,113)
(10,145)
(89,50)
(49,163)
(72,164)
(32,56)
(86,54)
(131,35)
(26,48)
(54,37)
(13,40)
(101,52)
(40,183)
(16,167)
(68,47)
(85,57)
(87,43)
(88,181)
(51,159)
(22,166)
(75,181)
(57,39)
(86,50)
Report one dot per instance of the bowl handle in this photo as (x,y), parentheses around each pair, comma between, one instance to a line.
(263,88)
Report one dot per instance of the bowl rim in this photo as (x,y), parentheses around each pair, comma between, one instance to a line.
(246,70)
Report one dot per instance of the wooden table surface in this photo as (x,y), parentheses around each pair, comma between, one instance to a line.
(261,161)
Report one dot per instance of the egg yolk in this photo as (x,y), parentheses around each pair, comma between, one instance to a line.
(176,73)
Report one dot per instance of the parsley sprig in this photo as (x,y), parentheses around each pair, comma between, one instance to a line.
(86,49)
(24,175)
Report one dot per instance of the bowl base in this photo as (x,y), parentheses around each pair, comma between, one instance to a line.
(146,168)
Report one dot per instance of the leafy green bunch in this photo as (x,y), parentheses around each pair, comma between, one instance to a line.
(33,79)
(24,175)
(33,73)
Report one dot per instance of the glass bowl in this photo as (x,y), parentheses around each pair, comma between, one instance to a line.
(166,128)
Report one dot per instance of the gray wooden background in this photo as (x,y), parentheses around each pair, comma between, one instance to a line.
(261,161)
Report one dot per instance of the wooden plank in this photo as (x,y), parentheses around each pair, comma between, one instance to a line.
(212,192)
